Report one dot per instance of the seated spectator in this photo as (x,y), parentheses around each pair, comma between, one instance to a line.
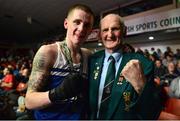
(22,82)
(146,53)
(1,72)
(171,101)
(160,54)
(25,75)
(152,57)
(174,89)
(17,69)
(154,53)
(170,74)
(168,51)
(177,54)
(8,80)
(7,86)
(159,69)
(178,67)
(168,58)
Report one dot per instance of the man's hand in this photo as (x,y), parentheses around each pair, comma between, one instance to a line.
(71,86)
(133,73)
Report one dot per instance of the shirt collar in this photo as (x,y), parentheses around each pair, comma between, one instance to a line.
(116,55)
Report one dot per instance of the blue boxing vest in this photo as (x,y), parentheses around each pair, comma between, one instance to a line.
(70,109)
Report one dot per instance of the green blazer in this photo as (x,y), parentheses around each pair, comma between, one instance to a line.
(147,105)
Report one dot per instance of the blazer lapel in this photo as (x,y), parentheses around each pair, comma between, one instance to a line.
(94,84)
(117,89)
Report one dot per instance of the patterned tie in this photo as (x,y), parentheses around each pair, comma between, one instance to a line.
(110,76)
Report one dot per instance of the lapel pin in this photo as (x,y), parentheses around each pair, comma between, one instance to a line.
(120,81)
(127,99)
(96,72)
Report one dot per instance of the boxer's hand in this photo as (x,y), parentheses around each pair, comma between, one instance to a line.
(133,73)
(71,86)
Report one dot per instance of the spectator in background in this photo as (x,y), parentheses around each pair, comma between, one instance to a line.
(1,72)
(168,52)
(146,53)
(16,71)
(25,75)
(160,54)
(152,57)
(169,58)
(178,67)
(177,54)
(170,74)
(174,89)
(8,80)
(154,53)
(159,69)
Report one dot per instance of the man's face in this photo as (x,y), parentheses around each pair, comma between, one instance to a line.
(5,71)
(158,63)
(78,25)
(111,32)
(171,67)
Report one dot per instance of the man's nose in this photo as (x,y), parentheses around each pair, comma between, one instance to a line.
(110,33)
(81,27)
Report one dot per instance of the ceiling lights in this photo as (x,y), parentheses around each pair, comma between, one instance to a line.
(151,37)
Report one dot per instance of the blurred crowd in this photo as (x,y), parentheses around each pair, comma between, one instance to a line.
(15,68)
(166,64)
